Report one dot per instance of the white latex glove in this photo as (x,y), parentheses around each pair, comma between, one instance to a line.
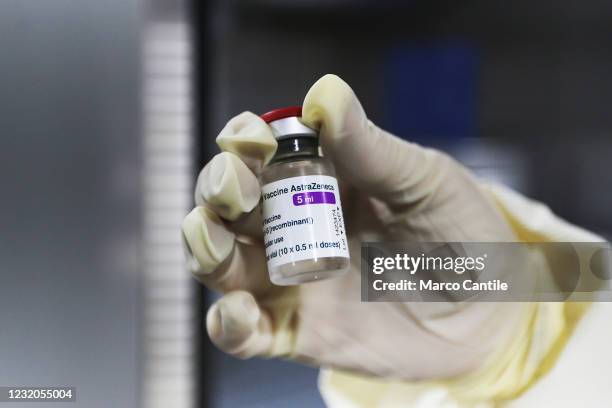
(392,190)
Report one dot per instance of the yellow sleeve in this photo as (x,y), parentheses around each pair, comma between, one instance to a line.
(506,374)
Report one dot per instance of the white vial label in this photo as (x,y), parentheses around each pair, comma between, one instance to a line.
(302,219)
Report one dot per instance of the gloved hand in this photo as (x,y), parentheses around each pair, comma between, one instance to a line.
(392,190)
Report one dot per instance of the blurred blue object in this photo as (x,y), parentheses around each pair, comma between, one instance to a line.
(431,91)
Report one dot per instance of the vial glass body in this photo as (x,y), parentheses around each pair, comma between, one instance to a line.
(296,171)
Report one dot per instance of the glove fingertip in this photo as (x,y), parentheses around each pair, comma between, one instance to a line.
(232,323)
(327,102)
(228,186)
(249,137)
(207,239)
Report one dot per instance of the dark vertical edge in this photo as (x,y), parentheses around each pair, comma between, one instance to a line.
(199,13)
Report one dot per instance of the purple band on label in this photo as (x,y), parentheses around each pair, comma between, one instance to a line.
(314,197)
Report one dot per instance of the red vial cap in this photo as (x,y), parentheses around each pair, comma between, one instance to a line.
(282,113)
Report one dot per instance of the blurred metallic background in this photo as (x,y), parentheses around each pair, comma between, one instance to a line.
(109,108)
(71,176)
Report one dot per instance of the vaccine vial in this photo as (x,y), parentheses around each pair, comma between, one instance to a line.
(303,226)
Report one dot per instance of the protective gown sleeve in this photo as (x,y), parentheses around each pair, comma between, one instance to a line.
(507,373)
